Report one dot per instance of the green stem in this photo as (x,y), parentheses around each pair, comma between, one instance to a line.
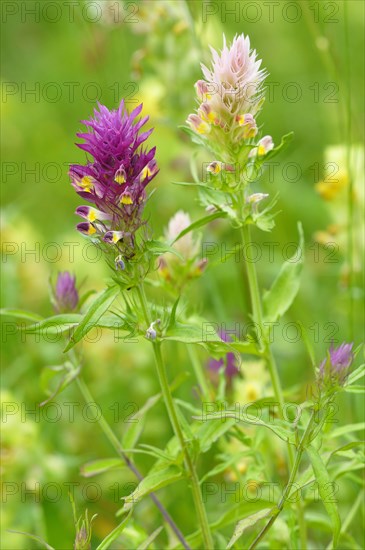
(173,416)
(113,440)
(288,486)
(350,195)
(258,319)
(106,429)
(270,360)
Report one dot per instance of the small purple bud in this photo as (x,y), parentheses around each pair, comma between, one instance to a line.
(119,263)
(333,369)
(66,297)
(151,333)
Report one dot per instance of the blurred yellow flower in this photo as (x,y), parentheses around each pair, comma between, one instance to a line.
(254,384)
(330,187)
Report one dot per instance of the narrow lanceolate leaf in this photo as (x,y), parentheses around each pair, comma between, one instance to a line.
(247,522)
(200,223)
(135,426)
(282,431)
(57,324)
(159,477)
(345,430)
(285,141)
(190,184)
(323,479)
(40,541)
(355,375)
(157,248)
(92,316)
(105,544)
(230,517)
(209,432)
(286,285)
(100,466)
(21,314)
(355,389)
(150,539)
(64,381)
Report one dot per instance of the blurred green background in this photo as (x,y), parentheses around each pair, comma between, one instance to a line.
(58,58)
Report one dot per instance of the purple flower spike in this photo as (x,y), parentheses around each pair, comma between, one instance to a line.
(66,297)
(115,177)
(335,367)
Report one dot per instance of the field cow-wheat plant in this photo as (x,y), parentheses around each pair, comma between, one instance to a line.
(184,362)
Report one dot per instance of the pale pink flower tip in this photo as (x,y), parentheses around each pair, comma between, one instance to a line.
(236,69)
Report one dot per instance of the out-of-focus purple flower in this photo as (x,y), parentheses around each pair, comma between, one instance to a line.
(116,175)
(66,297)
(228,362)
(334,368)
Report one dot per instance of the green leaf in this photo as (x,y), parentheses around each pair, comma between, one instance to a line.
(355,389)
(21,314)
(196,330)
(230,516)
(347,447)
(160,476)
(247,522)
(282,432)
(249,348)
(157,248)
(188,334)
(323,479)
(209,432)
(70,373)
(224,465)
(150,539)
(155,452)
(84,297)
(57,324)
(135,429)
(193,135)
(172,319)
(344,430)
(286,285)
(96,310)
(285,141)
(199,223)
(99,466)
(355,375)
(33,537)
(113,322)
(189,184)
(105,544)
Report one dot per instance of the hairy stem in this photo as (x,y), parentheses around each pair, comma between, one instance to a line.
(113,440)
(173,416)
